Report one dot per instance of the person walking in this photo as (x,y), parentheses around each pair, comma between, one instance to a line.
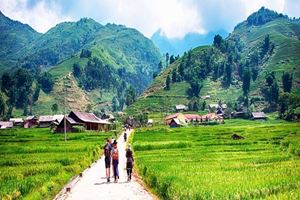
(129,162)
(107,150)
(115,161)
(125,136)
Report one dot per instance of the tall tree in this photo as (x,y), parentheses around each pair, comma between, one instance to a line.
(174,76)
(2,105)
(76,70)
(54,108)
(167,58)
(287,81)
(168,83)
(217,41)
(228,74)
(172,59)
(246,81)
(195,88)
(115,104)
(160,66)
(130,96)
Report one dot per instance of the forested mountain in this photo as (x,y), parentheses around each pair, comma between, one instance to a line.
(14,36)
(99,63)
(257,67)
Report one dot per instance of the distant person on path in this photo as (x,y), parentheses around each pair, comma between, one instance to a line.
(107,150)
(129,163)
(125,136)
(115,161)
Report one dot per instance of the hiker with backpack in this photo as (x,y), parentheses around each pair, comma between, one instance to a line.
(107,154)
(115,161)
(125,136)
(129,162)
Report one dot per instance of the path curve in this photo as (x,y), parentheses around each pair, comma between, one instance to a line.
(92,185)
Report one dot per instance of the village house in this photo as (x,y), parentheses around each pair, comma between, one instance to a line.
(181,108)
(258,115)
(181,117)
(45,121)
(17,121)
(30,121)
(6,125)
(176,123)
(60,128)
(150,122)
(90,121)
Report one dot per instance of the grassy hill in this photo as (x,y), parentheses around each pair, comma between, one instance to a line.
(14,36)
(245,40)
(129,58)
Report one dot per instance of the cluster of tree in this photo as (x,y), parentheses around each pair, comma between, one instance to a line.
(85,53)
(94,75)
(18,87)
(263,16)
(196,105)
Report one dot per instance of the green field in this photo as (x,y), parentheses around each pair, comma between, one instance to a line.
(205,163)
(36,164)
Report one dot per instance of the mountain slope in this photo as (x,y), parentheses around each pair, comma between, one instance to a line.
(244,46)
(14,36)
(110,59)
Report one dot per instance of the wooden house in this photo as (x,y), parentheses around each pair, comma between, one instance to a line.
(30,121)
(258,115)
(60,128)
(17,121)
(176,123)
(181,108)
(90,121)
(179,116)
(45,121)
(6,125)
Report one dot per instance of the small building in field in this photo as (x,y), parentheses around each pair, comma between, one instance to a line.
(60,128)
(45,121)
(179,116)
(90,121)
(176,123)
(17,121)
(181,108)
(150,122)
(30,121)
(238,114)
(6,124)
(258,115)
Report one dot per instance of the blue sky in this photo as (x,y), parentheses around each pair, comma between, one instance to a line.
(175,18)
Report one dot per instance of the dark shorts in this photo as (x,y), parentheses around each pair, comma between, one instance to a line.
(107,162)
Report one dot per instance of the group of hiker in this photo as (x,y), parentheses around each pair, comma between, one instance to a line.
(111,154)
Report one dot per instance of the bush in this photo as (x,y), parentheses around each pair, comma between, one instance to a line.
(78,129)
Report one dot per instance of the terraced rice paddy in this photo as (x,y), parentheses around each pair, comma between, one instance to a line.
(35,164)
(205,163)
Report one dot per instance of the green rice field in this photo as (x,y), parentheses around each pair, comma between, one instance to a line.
(36,164)
(206,163)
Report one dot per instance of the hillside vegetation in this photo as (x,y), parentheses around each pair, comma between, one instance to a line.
(259,50)
(102,62)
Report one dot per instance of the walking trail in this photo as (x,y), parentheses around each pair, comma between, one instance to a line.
(93,185)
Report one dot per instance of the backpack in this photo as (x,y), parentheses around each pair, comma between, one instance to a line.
(115,154)
(107,151)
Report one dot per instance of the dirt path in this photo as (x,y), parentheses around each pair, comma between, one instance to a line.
(93,184)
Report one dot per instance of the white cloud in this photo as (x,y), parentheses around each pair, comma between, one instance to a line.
(42,16)
(175,18)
